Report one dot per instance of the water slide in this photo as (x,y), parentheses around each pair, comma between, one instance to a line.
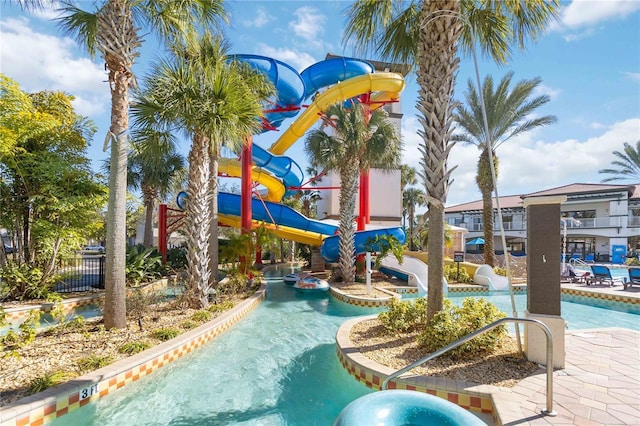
(485,276)
(412,270)
(330,249)
(347,78)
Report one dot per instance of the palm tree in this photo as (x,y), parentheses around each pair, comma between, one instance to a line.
(157,169)
(412,198)
(428,34)
(627,163)
(114,29)
(358,141)
(216,102)
(408,177)
(508,114)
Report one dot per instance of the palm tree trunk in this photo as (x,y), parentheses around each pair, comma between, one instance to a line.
(347,201)
(213,237)
(485,184)
(437,67)
(115,309)
(149,205)
(198,224)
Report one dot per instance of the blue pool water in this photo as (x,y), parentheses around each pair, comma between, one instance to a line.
(278,366)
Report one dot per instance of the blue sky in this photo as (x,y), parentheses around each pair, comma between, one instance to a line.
(589,63)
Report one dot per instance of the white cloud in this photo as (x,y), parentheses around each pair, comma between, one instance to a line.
(309,25)
(49,10)
(298,60)
(39,61)
(543,89)
(635,76)
(581,13)
(261,19)
(527,164)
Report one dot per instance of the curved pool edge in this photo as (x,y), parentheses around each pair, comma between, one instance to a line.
(57,401)
(470,396)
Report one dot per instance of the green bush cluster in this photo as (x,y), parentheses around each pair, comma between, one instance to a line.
(201,316)
(93,362)
(632,261)
(165,334)
(134,347)
(500,271)
(143,265)
(456,322)
(451,274)
(48,380)
(13,340)
(402,316)
(25,281)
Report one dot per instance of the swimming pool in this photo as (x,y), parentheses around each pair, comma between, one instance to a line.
(278,366)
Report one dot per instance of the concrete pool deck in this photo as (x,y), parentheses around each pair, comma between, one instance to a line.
(600,384)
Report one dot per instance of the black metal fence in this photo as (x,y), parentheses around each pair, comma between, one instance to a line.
(84,273)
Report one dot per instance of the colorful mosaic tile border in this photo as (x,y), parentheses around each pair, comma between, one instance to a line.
(369,302)
(58,401)
(372,375)
(20,314)
(616,302)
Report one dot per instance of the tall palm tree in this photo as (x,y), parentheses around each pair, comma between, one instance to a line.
(508,114)
(357,140)
(627,164)
(216,102)
(412,198)
(408,177)
(428,34)
(157,169)
(114,29)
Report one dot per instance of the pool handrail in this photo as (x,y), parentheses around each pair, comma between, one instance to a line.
(549,410)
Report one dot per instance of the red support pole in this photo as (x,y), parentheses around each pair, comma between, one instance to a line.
(162,232)
(362,218)
(245,190)
(245,193)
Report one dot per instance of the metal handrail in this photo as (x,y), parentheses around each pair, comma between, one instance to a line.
(549,411)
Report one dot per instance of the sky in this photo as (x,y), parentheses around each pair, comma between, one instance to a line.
(589,64)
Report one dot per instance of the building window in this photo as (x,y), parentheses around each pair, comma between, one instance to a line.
(477,223)
(586,218)
(507,222)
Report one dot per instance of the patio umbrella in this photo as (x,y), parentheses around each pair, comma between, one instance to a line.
(475,241)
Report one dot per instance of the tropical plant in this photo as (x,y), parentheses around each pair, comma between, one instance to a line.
(48,195)
(627,165)
(359,140)
(509,113)
(428,34)
(157,169)
(383,245)
(143,265)
(114,30)
(216,101)
(412,198)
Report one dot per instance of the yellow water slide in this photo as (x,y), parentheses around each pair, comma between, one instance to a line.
(288,233)
(385,86)
(275,188)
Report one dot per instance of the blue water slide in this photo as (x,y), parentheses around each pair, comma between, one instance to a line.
(330,71)
(289,86)
(280,166)
(278,214)
(330,249)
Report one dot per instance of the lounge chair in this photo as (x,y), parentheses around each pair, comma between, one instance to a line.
(602,275)
(634,277)
(570,275)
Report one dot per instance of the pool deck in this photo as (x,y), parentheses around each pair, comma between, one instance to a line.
(600,384)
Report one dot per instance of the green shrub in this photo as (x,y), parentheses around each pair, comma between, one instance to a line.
(201,316)
(134,347)
(25,282)
(165,334)
(94,362)
(632,261)
(143,265)
(177,258)
(221,307)
(188,324)
(402,316)
(456,322)
(26,333)
(48,380)
(451,274)
(500,271)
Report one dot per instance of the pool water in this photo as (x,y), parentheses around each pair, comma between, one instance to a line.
(278,366)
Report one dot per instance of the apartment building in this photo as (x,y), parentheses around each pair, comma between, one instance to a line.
(599,222)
